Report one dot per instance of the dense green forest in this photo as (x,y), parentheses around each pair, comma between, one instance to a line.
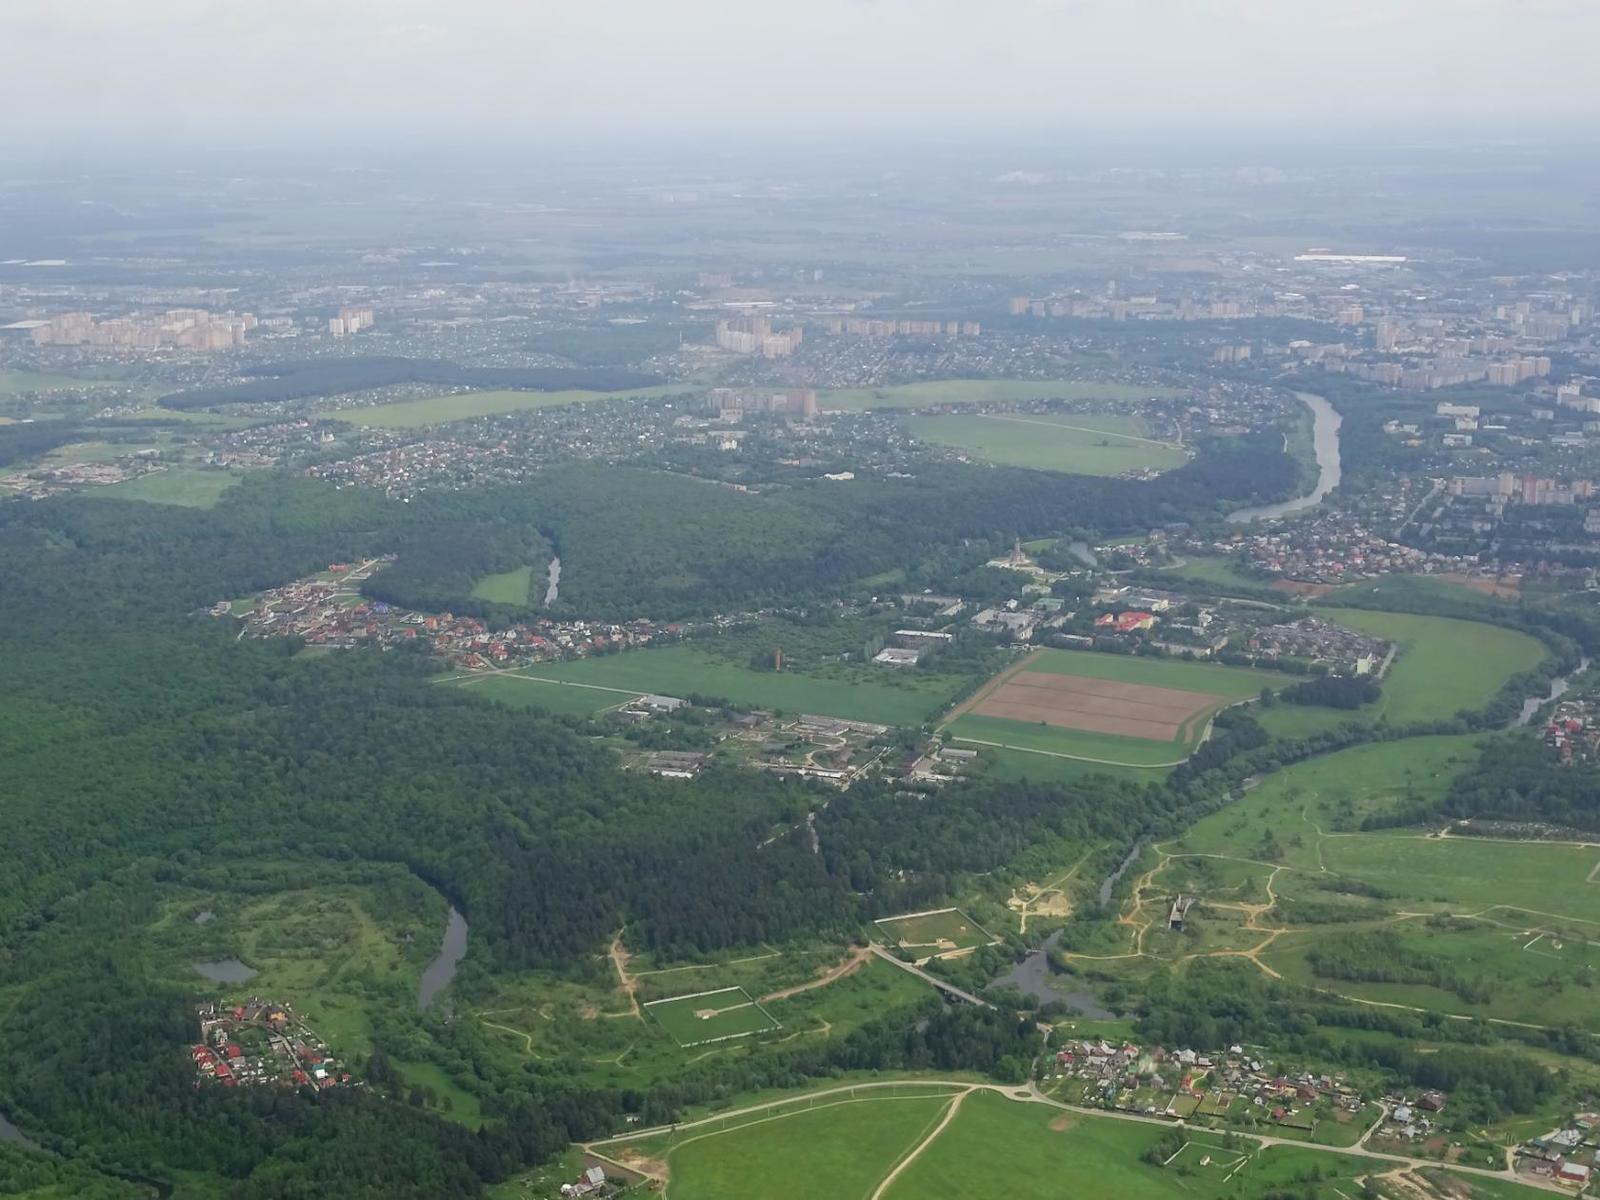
(143,746)
(140,742)
(1519,779)
(644,543)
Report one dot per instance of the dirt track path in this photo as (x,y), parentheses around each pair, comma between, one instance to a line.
(982,693)
(949,1115)
(1029,1094)
(852,963)
(630,987)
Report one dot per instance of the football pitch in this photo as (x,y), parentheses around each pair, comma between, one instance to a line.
(701,1018)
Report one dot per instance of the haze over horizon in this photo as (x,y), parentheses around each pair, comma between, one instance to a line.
(173,72)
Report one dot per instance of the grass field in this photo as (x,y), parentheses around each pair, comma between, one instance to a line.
(521,692)
(949,1144)
(1518,921)
(1078,443)
(1016,766)
(935,933)
(176,485)
(14,381)
(509,587)
(1516,971)
(840,1148)
(1213,569)
(980,391)
(1222,684)
(1444,665)
(702,1017)
(1439,678)
(1071,745)
(907,698)
(462,406)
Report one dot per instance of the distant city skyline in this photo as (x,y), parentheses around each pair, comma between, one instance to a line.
(480,71)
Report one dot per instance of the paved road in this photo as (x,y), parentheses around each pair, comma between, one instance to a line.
(1030,1094)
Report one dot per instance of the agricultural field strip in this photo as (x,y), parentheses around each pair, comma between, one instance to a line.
(1030,1095)
(1099,706)
(1127,437)
(520,673)
(1108,762)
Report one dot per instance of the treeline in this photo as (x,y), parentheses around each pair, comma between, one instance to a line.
(334,376)
(1334,691)
(643,543)
(1517,778)
(1217,1004)
(93,1060)
(1381,956)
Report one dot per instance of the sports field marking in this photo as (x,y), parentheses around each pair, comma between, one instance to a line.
(669,1014)
(954,933)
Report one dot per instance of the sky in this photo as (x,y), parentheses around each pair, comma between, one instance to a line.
(201,72)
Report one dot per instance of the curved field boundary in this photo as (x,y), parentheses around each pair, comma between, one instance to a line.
(1105,762)
(987,689)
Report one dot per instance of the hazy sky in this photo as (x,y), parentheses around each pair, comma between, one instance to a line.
(343,70)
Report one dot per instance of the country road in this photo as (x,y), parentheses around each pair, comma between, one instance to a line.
(1030,1094)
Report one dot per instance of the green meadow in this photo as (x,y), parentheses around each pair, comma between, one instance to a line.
(508,587)
(463,406)
(189,488)
(904,698)
(980,391)
(1443,665)
(519,691)
(1079,443)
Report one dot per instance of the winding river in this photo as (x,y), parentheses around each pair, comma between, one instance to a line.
(1558,688)
(442,969)
(1033,977)
(1325,444)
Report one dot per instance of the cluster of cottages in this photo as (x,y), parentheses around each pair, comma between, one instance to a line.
(1567,1155)
(1186,1083)
(590,1183)
(1412,1121)
(1573,731)
(261,1042)
(1320,642)
(325,614)
(1335,548)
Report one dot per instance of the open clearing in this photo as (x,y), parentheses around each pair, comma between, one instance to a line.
(1109,708)
(980,391)
(1079,443)
(907,698)
(1098,705)
(462,406)
(188,488)
(934,934)
(1507,930)
(508,587)
(700,1018)
(910,1142)
(1443,665)
(520,691)
(839,1148)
